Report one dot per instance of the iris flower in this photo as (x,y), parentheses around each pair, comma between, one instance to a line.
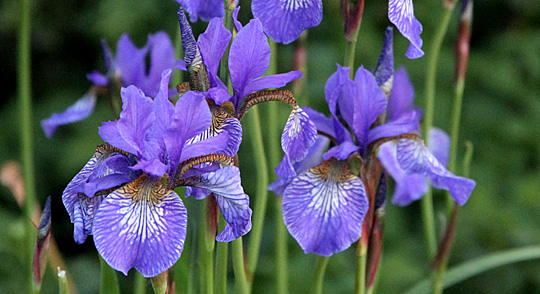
(249,58)
(128,68)
(282,20)
(324,200)
(401,14)
(124,196)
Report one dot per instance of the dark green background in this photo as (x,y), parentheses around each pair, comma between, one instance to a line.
(501,117)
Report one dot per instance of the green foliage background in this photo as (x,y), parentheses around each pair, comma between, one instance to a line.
(501,117)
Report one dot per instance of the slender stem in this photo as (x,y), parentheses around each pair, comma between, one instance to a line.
(24,80)
(261,194)
(242,286)
(431,72)
(109,280)
(361,263)
(206,250)
(185,267)
(320,269)
(282,253)
(221,263)
(140,284)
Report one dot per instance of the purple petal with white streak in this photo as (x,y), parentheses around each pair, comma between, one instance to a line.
(324,208)
(76,112)
(439,145)
(415,158)
(285,20)
(141,225)
(298,135)
(401,14)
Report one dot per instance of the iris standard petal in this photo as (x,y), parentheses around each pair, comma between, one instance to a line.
(369,102)
(408,188)
(141,225)
(401,14)
(285,20)
(192,116)
(161,58)
(407,123)
(249,58)
(324,125)
(97,78)
(80,207)
(341,151)
(204,9)
(414,157)
(401,97)
(130,61)
(324,208)
(76,112)
(233,202)
(212,44)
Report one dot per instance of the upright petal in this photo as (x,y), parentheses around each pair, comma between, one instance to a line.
(324,208)
(76,112)
(204,9)
(233,202)
(212,44)
(415,158)
(130,61)
(161,59)
(285,20)
(141,225)
(367,100)
(192,116)
(249,58)
(439,145)
(401,14)
(401,97)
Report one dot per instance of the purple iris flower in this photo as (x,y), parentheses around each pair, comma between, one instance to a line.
(249,58)
(205,9)
(124,195)
(285,20)
(401,14)
(128,68)
(410,163)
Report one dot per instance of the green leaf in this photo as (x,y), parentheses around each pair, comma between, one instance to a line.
(477,266)
(109,280)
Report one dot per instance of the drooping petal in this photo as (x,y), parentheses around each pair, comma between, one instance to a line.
(285,168)
(299,135)
(385,66)
(233,202)
(76,112)
(324,125)
(408,188)
(439,145)
(212,44)
(204,9)
(401,14)
(285,20)
(82,208)
(141,225)
(324,208)
(249,58)
(415,158)
(192,116)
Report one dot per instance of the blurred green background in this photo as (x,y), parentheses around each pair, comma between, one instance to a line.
(501,117)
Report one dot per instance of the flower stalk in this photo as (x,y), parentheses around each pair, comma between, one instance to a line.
(320,269)
(352,18)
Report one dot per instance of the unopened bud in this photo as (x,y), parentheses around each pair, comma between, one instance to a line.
(160,283)
(462,44)
(41,249)
(352,18)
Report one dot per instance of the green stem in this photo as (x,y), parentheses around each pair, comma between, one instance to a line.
(320,269)
(261,194)
(206,251)
(238,265)
(431,73)
(140,284)
(185,267)
(221,263)
(350,50)
(282,253)
(109,280)
(361,264)
(24,81)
